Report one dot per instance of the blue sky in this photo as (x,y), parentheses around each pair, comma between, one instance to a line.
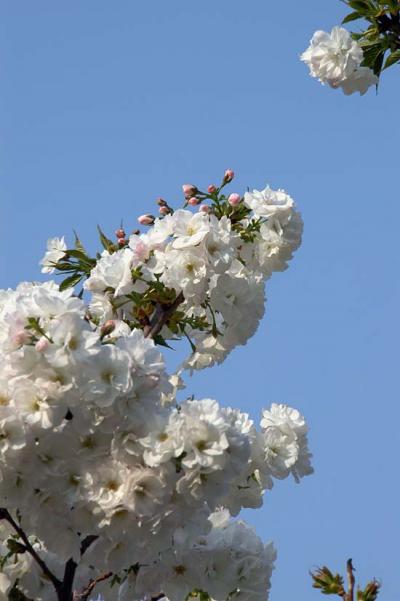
(106,106)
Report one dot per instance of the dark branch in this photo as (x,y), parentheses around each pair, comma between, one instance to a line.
(71,567)
(5,515)
(87,542)
(161,315)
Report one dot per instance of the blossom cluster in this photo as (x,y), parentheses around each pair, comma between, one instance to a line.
(213,263)
(336,59)
(94,444)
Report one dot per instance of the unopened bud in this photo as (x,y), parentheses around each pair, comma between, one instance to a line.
(164,210)
(20,338)
(229,175)
(204,209)
(211,189)
(193,201)
(120,233)
(161,202)
(42,344)
(146,219)
(121,241)
(234,199)
(107,327)
(189,190)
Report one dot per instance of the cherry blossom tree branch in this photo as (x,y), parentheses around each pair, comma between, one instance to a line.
(65,593)
(161,316)
(5,515)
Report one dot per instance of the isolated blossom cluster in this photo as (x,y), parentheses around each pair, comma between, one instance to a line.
(100,463)
(335,59)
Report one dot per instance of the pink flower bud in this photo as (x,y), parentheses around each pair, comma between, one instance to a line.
(121,241)
(164,210)
(107,327)
(189,190)
(42,344)
(146,219)
(234,199)
(193,201)
(211,189)
(20,338)
(229,175)
(204,209)
(120,233)
(161,202)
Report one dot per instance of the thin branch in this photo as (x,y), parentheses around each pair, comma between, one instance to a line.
(5,515)
(161,316)
(71,567)
(86,592)
(68,580)
(350,580)
(87,542)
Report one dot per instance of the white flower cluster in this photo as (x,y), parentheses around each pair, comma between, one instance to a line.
(230,553)
(335,58)
(219,265)
(90,448)
(99,463)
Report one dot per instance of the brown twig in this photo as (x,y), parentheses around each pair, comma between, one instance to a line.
(350,580)
(84,594)
(161,316)
(5,515)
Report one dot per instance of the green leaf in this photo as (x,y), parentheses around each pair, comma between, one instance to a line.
(15,547)
(352,17)
(106,242)
(71,281)
(362,6)
(373,57)
(392,59)
(78,243)
(81,256)
(64,266)
(162,342)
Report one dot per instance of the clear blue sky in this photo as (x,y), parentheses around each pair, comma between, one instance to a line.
(107,105)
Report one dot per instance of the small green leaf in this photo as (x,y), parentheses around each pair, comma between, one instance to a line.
(162,342)
(78,243)
(373,57)
(362,6)
(352,17)
(106,242)
(70,282)
(15,547)
(392,59)
(81,256)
